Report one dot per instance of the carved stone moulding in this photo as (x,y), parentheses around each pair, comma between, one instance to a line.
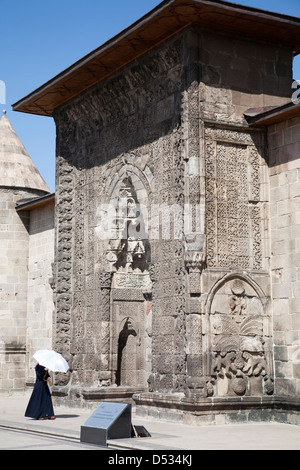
(111,393)
(214,410)
(194,261)
(89,397)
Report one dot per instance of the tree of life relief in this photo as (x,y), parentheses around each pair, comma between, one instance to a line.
(240,341)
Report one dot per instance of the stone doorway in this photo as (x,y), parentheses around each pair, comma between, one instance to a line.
(131,335)
(130,309)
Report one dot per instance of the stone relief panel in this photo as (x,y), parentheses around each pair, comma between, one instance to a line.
(129,250)
(127,255)
(63,270)
(235,201)
(240,340)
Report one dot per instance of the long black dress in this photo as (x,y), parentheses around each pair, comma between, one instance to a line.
(40,403)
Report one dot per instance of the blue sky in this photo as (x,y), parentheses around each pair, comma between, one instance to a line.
(39,39)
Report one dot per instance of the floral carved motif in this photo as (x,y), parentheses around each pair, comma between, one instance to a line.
(239,342)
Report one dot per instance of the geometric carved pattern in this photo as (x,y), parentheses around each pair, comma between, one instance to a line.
(233,218)
(133,295)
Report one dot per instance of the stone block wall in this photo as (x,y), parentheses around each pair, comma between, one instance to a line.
(284,153)
(40,301)
(238,73)
(13,290)
(26,303)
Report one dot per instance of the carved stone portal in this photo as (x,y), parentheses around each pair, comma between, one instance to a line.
(130,318)
(240,341)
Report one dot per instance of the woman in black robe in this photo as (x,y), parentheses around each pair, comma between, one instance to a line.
(40,403)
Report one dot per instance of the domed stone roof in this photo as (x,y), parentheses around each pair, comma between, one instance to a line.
(16,167)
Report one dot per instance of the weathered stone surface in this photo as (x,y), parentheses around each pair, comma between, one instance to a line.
(285,233)
(177,241)
(27,251)
(155,304)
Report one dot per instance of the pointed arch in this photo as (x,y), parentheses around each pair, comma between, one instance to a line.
(137,176)
(231,277)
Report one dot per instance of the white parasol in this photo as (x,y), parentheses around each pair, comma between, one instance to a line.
(51,360)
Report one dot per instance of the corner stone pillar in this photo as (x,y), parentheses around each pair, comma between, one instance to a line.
(105,283)
(196,383)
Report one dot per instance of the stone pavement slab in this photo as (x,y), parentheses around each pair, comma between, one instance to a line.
(165,435)
(11,440)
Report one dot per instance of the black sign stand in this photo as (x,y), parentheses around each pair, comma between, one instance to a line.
(111,420)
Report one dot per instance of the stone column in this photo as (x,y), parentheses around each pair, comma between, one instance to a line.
(104,305)
(196,383)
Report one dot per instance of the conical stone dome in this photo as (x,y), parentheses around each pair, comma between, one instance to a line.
(16,167)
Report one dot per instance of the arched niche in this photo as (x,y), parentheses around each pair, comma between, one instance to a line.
(239,346)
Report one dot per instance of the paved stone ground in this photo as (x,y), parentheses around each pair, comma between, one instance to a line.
(164,435)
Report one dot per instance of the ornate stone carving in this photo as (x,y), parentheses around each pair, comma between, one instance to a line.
(129,295)
(63,267)
(105,279)
(128,255)
(237,302)
(130,248)
(240,341)
(233,203)
(194,261)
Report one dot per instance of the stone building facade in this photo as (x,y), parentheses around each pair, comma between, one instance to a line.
(27,251)
(176,271)
(40,300)
(284,145)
